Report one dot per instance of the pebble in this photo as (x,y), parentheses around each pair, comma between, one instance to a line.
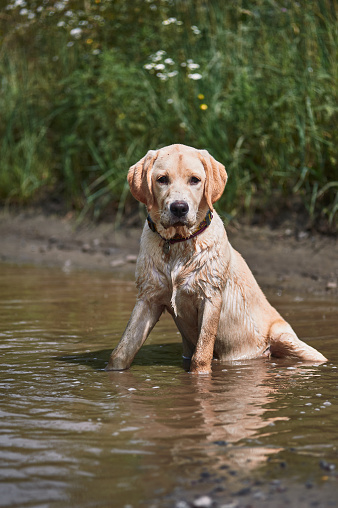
(327,466)
(331,285)
(221,443)
(243,492)
(86,247)
(203,502)
(182,504)
(116,262)
(302,235)
(109,251)
(131,258)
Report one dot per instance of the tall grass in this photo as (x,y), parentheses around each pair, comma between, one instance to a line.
(254,82)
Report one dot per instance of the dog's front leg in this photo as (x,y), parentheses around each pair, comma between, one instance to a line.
(208,326)
(142,320)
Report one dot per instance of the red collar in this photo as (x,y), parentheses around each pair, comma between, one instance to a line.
(179,238)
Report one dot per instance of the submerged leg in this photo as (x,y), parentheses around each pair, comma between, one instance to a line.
(285,344)
(208,324)
(141,322)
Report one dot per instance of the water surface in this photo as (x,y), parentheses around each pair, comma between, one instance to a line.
(73,435)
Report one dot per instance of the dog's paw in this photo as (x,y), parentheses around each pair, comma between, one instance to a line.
(199,369)
(200,372)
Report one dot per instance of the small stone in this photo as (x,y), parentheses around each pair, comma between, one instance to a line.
(243,492)
(205,474)
(109,251)
(220,443)
(327,466)
(131,258)
(86,247)
(116,262)
(303,235)
(203,502)
(182,504)
(259,495)
(331,285)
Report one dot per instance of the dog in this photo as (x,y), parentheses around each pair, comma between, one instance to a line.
(187,266)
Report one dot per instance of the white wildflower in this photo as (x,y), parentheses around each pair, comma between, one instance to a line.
(59,6)
(96,51)
(163,77)
(170,101)
(70,44)
(61,23)
(149,66)
(69,14)
(169,61)
(169,21)
(76,33)
(196,30)
(31,15)
(20,3)
(172,74)
(23,12)
(158,55)
(183,64)
(195,76)
(193,66)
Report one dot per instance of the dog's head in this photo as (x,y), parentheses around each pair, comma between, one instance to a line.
(177,184)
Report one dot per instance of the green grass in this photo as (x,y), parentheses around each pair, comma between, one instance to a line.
(77,112)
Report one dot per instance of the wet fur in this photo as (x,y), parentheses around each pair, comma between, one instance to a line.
(203,283)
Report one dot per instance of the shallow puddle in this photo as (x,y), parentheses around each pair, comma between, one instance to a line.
(74,435)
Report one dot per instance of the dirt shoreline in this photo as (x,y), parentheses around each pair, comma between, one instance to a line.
(280,259)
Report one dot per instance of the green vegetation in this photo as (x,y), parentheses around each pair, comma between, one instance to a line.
(87,87)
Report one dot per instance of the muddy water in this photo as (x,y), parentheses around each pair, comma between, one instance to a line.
(73,435)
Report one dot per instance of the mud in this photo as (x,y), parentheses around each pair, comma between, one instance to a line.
(284,259)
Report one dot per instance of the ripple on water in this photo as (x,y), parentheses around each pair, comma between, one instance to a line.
(73,435)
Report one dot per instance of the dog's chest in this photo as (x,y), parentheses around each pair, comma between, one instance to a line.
(179,282)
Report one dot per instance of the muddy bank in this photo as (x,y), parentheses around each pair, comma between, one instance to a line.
(282,259)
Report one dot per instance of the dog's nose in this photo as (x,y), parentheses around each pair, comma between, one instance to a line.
(179,208)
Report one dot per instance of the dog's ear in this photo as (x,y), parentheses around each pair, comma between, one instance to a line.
(139,179)
(216,177)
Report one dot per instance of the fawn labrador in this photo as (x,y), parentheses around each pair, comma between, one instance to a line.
(187,266)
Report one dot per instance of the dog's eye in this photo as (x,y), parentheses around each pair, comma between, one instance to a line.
(194,180)
(163,179)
